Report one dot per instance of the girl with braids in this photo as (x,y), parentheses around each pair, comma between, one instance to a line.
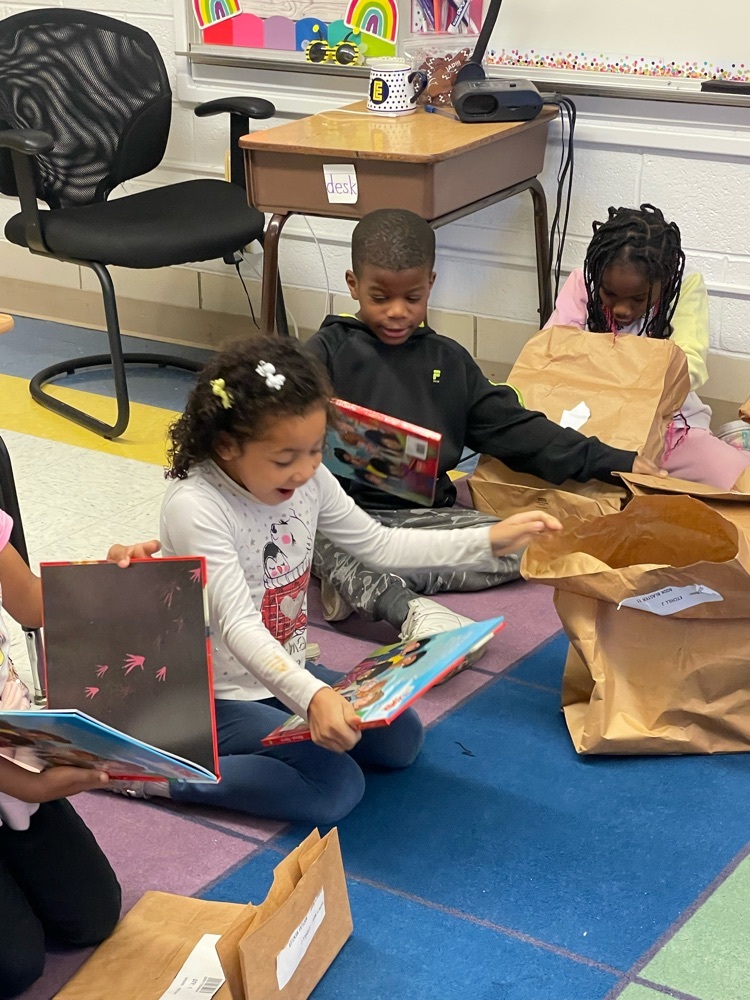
(249,493)
(633,282)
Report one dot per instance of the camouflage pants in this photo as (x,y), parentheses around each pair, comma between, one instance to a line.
(375,595)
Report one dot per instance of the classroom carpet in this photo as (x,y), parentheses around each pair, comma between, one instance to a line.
(500,865)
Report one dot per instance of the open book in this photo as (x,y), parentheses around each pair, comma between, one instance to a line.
(129,649)
(388,681)
(42,738)
(389,454)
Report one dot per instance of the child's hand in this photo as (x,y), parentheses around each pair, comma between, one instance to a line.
(517,531)
(333,722)
(55,783)
(645,467)
(122,554)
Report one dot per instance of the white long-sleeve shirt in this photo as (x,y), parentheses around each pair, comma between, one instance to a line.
(258,560)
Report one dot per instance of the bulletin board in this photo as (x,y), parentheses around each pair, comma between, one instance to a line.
(659,39)
(654,41)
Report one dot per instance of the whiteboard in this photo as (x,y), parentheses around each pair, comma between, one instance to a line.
(653,38)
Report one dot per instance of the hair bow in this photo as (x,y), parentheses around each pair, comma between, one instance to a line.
(269,373)
(219,389)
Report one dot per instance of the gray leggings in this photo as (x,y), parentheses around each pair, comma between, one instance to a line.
(375,595)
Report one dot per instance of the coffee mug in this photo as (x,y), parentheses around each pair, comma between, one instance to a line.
(394,86)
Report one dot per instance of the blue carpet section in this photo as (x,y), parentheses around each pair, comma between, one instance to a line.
(35,344)
(500,820)
(402,948)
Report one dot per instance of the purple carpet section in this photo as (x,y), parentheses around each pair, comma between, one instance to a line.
(530,618)
(150,847)
(182,849)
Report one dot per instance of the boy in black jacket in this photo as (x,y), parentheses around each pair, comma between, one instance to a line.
(387,358)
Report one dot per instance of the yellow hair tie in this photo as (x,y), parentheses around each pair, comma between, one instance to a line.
(219,389)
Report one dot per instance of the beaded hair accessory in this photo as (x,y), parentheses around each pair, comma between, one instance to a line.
(219,389)
(271,376)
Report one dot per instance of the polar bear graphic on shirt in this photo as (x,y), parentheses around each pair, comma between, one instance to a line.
(286,573)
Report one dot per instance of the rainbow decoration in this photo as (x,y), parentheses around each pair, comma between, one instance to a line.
(210,12)
(373,17)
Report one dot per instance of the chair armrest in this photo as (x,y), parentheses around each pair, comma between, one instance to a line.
(26,140)
(240,110)
(24,143)
(248,107)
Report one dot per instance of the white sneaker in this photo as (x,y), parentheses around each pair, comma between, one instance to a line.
(312,651)
(427,617)
(335,608)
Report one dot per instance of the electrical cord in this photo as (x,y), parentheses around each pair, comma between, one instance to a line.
(289,314)
(247,293)
(558,233)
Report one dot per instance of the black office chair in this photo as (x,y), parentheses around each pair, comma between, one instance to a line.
(9,503)
(85,104)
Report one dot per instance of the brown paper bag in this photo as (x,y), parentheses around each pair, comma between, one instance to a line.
(667,671)
(655,543)
(633,386)
(148,948)
(496,489)
(635,683)
(293,936)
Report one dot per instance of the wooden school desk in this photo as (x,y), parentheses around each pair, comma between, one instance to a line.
(440,168)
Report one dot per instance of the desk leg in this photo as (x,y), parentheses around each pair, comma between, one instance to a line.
(269,285)
(543,262)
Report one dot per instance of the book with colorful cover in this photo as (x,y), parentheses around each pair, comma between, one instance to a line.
(392,455)
(43,737)
(129,648)
(392,678)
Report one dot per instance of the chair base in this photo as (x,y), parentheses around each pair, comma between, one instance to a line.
(109,431)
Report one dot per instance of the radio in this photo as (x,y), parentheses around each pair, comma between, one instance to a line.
(496,100)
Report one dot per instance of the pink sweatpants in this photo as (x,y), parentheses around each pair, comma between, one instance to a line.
(702,458)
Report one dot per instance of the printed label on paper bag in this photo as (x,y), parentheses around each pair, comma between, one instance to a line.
(288,960)
(670,600)
(341,183)
(201,976)
(576,417)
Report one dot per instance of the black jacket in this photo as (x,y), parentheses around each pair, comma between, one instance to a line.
(434,382)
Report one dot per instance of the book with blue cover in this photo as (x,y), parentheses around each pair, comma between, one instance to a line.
(44,737)
(393,677)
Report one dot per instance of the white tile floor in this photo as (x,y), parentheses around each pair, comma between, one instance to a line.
(75,503)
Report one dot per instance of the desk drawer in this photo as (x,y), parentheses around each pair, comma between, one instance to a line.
(282,182)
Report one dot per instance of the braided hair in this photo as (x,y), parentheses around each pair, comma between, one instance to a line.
(642,238)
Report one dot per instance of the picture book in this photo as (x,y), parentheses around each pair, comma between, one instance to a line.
(43,738)
(130,649)
(390,454)
(388,681)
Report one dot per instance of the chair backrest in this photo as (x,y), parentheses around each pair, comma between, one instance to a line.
(9,502)
(98,86)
